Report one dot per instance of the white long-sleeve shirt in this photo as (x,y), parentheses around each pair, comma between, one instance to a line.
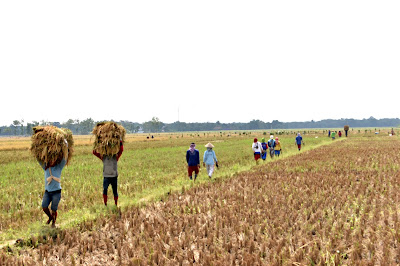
(256,147)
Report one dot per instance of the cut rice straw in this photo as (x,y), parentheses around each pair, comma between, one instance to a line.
(107,138)
(51,144)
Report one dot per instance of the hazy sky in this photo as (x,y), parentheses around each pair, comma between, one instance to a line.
(231,61)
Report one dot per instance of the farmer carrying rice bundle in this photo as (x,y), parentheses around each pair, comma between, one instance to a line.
(346,129)
(53,148)
(108,147)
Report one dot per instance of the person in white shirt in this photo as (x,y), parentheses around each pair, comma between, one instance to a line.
(257,149)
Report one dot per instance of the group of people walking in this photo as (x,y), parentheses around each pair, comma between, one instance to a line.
(260,149)
(274,146)
(332,134)
(193,160)
(52,173)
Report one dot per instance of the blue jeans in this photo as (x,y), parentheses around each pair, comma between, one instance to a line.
(264,155)
(114,183)
(53,197)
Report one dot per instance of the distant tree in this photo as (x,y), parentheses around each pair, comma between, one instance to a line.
(29,127)
(86,126)
(15,125)
(22,126)
(154,125)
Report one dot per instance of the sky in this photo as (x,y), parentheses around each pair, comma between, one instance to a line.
(199,61)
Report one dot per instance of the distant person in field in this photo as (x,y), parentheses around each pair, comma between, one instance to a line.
(299,141)
(278,147)
(329,133)
(333,135)
(340,134)
(264,146)
(271,146)
(110,172)
(209,159)
(52,185)
(392,132)
(257,149)
(193,161)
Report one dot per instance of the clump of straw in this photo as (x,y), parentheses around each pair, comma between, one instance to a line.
(107,138)
(48,144)
(346,127)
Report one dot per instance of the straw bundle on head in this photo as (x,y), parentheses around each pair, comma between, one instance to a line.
(346,127)
(49,144)
(107,137)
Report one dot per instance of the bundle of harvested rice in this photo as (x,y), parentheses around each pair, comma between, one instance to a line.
(107,137)
(346,127)
(49,144)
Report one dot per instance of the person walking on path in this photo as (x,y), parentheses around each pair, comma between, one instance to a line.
(278,147)
(264,147)
(209,159)
(257,149)
(52,185)
(333,135)
(110,172)
(193,161)
(299,141)
(271,146)
(346,129)
(329,133)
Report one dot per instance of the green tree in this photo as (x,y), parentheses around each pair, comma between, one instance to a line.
(154,125)
(15,124)
(29,127)
(86,126)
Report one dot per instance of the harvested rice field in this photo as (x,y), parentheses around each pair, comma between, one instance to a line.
(334,202)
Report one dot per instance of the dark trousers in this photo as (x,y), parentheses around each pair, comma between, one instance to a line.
(113,181)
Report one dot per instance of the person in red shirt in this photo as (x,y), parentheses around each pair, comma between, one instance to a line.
(110,172)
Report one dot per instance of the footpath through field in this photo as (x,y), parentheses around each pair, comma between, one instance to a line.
(337,204)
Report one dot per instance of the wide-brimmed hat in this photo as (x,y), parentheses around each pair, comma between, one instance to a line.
(209,145)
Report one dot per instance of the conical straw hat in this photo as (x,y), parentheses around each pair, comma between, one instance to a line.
(209,145)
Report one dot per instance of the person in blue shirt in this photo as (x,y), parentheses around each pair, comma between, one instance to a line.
(264,146)
(193,161)
(209,159)
(52,185)
(299,140)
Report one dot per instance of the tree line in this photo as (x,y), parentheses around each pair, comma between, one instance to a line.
(84,127)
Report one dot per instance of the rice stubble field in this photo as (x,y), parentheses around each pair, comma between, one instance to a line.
(336,204)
